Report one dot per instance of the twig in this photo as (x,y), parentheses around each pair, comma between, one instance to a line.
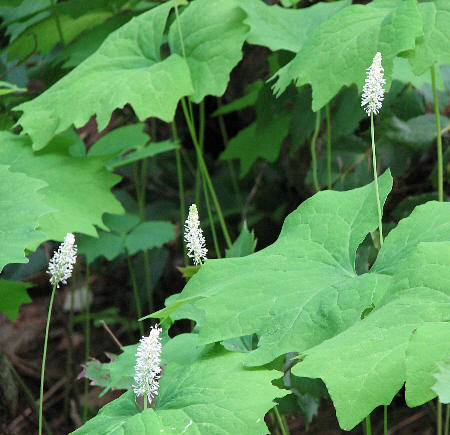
(111,333)
(405,422)
(253,192)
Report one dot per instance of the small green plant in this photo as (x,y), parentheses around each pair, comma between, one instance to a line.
(121,139)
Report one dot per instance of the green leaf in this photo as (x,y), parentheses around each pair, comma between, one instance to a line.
(153,149)
(241,103)
(352,36)
(429,345)
(22,207)
(365,366)
(44,35)
(403,72)
(244,245)
(213,35)
(78,188)
(442,386)
(12,295)
(429,222)
(148,235)
(299,291)
(418,132)
(127,68)
(258,140)
(283,29)
(433,47)
(126,234)
(212,396)
(120,140)
(89,41)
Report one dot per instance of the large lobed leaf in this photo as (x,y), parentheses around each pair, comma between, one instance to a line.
(297,292)
(285,29)
(366,365)
(22,206)
(338,51)
(211,395)
(434,46)
(78,189)
(213,34)
(127,68)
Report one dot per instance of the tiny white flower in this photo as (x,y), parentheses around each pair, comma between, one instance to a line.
(193,235)
(60,266)
(373,92)
(148,365)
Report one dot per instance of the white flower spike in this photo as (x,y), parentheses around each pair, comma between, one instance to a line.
(193,235)
(60,266)
(148,365)
(373,92)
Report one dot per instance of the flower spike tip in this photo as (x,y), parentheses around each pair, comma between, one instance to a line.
(373,92)
(193,235)
(60,266)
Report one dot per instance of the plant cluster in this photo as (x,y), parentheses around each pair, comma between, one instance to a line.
(319,112)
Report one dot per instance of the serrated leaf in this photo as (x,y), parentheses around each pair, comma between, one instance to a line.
(78,188)
(434,46)
(148,235)
(213,35)
(22,207)
(366,365)
(193,399)
(429,222)
(127,234)
(258,140)
(299,291)
(127,68)
(12,295)
(244,245)
(283,29)
(442,386)
(353,36)
(403,72)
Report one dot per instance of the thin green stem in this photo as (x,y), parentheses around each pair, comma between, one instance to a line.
(205,172)
(145,401)
(135,291)
(67,386)
(44,356)
(385,419)
(375,177)
(180,34)
(328,119)
(438,417)
(224,134)
(368,426)
(201,140)
(58,23)
(440,164)
(27,392)
(447,420)
(140,183)
(180,187)
(284,429)
(313,152)
(211,221)
(87,339)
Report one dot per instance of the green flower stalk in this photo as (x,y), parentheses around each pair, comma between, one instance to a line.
(60,269)
(372,98)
